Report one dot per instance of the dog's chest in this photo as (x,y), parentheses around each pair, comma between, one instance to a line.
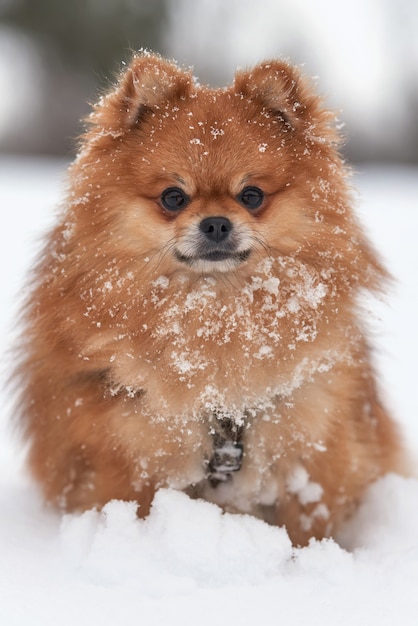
(274,311)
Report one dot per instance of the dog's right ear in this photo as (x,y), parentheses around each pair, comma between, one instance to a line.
(282,90)
(147,84)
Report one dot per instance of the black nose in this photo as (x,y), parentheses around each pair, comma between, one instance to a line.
(216,229)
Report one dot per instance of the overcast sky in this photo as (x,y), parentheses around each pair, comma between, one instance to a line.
(364,52)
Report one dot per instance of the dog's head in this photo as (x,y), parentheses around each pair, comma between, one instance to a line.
(206,181)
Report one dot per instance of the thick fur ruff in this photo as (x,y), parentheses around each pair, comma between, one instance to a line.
(207,266)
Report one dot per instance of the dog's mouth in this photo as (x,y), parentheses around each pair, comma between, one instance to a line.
(214,256)
(224,259)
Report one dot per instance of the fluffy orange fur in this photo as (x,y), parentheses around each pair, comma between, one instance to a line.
(143,331)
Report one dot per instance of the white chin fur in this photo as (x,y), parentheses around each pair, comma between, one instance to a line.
(211,267)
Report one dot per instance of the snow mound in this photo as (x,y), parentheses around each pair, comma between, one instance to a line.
(187,541)
(186,544)
(386,522)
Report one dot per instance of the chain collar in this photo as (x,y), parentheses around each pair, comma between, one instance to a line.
(228,449)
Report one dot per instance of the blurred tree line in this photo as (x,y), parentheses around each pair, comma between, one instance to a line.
(81,44)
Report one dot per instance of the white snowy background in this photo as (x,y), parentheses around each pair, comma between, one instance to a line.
(188,563)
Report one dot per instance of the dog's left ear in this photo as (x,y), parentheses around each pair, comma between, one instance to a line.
(280,89)
(148,83)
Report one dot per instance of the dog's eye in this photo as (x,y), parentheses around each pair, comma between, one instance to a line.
(251,197)
(174,199)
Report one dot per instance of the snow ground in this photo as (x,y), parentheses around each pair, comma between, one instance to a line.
(187,563)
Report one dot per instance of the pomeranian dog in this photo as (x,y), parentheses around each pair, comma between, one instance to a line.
(194,318)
